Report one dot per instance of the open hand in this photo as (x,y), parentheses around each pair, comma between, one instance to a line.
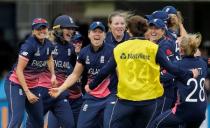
(54,92)
(31,97)
(54,81)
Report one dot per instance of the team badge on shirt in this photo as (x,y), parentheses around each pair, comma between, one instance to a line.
(85,107)
(48,51)
(102,59)
(87,61)
(69,52)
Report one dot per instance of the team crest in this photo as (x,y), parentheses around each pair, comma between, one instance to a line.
(85,107)
(48,51)
(87,61)
(69,52)
(102,59)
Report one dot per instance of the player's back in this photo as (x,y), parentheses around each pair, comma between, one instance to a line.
(138,71)
(192,94)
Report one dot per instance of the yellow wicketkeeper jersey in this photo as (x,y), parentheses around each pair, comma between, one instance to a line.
(138,73)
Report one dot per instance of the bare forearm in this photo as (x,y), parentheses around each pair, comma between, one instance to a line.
(50,64)
(183,31)
(71,80)
(22,81)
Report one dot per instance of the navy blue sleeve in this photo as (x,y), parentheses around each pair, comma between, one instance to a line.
(180,73)
(166,77)
(27,49)
(205,59)
(168,49)
(104,72)
(51,48)
(81,58)
(73,57)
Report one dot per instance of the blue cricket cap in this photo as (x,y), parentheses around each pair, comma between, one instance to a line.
(97,24)
(158,15)
(77,37)
(39,22)
(158,23)
(170,10)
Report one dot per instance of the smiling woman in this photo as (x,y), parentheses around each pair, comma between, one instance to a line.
(91,59)
(64,28)
(41,33)
(117,27)
(64,58)
(96,35)
(22,85)
(40,29)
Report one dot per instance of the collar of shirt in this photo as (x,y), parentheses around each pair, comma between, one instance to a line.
(125,37)
(100,48)
(189,56)
(39,41)
(160,40)
(133,38)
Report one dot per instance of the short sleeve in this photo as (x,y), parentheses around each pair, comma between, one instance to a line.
(167,49)
(26,50)
(81,58)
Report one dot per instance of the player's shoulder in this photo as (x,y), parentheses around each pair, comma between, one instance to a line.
(167,42)
(85,49)
(108,35)
(30,42)
(108,46)
(48,41)
(203,61)
(199,61)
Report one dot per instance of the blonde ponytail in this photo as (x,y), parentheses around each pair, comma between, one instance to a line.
(190,43)
(51,36)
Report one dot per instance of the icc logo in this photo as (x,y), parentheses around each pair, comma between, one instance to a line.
(37,52)
(123,56)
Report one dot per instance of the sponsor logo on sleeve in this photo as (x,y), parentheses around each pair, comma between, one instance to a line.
(24,53)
